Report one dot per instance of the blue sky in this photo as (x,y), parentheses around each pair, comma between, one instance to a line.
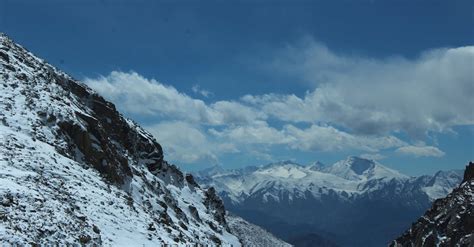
(247,83)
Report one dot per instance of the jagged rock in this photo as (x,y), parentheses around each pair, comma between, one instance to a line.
(214,203)
(151,227)
(191,181)
(85,239)
(469,172)
(449,222)
(194,213)
(4,56)
(7,200)
(165,219)
(95,229)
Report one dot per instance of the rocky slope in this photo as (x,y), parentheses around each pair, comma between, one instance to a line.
(449,222)
(74,170)
(252,235)
(348,202)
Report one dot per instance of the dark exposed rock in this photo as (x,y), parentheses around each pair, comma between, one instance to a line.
(183,225)
(100,155)
(216,240)
(151,227)
(194,213)
(5,57)
(104,124)
(449,222)
(108,124)
(214,202)
(84,239)
(7,200)
(180,214)
(469,172)
(95,229)
(82,217)
(191,181)
(9,67)
(165,219)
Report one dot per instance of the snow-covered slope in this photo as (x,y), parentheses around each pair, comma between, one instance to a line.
(356,193)
(252,235)
(49,198)
(440,184)
(449,222)
(74,171)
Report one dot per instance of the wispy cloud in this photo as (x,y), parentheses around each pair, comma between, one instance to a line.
(373,156)
(198,90)
(421,151)
(188,143)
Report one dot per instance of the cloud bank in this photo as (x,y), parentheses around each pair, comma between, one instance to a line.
(376,96)
(354,103)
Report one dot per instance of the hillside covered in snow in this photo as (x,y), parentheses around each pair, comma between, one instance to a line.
(73,170)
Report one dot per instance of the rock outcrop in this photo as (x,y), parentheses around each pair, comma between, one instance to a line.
(449,222)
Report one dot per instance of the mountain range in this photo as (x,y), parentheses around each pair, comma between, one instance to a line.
(74,171)
(354,202)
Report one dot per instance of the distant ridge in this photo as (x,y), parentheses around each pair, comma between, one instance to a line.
(347,203)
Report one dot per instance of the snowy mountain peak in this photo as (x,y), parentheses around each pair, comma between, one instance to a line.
(285,170)
(316,166)
(281,163)
(360,165)
(356,168)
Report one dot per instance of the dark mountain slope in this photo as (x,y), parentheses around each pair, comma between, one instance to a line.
(449,222)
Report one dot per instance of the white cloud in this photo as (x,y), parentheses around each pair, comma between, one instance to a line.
(421,151)
(258,132)
(184,142)
(375,96)
(313,138)
(356,103)
(327,138)
(136,94)
(198,90)
(232,112)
